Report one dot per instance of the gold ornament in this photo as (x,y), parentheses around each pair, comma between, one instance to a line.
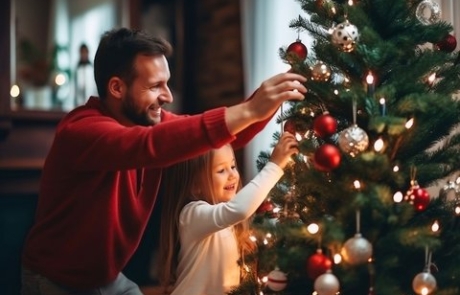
(320,72)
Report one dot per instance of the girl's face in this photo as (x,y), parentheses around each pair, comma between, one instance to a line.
(224,174)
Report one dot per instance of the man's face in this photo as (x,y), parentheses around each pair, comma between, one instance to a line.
(149,90)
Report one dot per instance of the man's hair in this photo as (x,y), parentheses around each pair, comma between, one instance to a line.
(117,51)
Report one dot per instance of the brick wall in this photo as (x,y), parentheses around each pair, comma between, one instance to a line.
(217,53)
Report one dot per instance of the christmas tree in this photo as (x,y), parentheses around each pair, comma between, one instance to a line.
(353,213)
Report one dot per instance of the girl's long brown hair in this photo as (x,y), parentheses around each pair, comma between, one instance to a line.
(185,182)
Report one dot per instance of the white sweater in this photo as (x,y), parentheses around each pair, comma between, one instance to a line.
(209,251)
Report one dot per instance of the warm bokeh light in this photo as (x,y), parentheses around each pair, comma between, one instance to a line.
(398,197)
(357,184)
(432,78)
(60,79)
(337,258)
(409,123)
(370,78)
(313,228)
(378,145)
(435,226)
(15,91)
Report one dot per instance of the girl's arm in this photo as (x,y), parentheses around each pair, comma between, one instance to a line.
(199,219)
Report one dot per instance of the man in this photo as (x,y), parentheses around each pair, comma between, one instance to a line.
(103,171)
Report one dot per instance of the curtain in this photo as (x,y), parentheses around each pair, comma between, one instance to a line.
(265,28)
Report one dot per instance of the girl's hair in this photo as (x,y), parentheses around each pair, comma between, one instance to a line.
(185,182)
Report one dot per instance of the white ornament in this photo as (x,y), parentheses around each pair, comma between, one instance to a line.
(357,250)
(327,284)
(424,283)
(277,280)
(353,140)
(428,12)
(345,36)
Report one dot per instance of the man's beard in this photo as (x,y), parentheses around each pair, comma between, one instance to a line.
(137,116)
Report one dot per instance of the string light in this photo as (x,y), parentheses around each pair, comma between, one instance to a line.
(395,168)
(370,84)
(357,184)
(337,258)
(457,210)
(431,79)
(409,123)
(313,228)
(383,105)
(398,197)
(435,226)
(378,145)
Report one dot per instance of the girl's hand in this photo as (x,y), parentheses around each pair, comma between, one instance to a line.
(284,149)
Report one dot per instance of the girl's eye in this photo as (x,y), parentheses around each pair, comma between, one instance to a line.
(233,167)
(220,171)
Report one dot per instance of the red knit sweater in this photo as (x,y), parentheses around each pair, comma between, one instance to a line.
(99,186)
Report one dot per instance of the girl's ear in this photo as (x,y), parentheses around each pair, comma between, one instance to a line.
(116,87)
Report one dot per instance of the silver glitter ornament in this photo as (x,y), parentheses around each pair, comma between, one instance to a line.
(344,36)
(353,140)
(327,284)
(357,250)
(428,12)
(424,283)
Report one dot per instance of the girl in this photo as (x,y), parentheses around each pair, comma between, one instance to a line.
(204,224)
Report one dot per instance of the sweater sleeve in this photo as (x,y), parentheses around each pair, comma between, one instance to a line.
(199,219)
(87,135)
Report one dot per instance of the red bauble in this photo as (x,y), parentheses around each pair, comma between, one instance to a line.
(265,207)
(420,198)
(327,157)
(324,125)
(297,49)
(290,126)
(448,44)
(317,264)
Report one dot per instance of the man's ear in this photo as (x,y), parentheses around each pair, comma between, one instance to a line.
(116,87)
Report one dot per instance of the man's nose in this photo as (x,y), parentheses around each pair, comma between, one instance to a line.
(166,97)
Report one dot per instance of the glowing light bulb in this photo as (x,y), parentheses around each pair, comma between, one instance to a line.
(409,123)
(313,228)
(15,91)
(337,258)
(395,168)
(398,197)
(435,226)
(357,184)
(457,210)
(370,78)
(378,145)
(432,78)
